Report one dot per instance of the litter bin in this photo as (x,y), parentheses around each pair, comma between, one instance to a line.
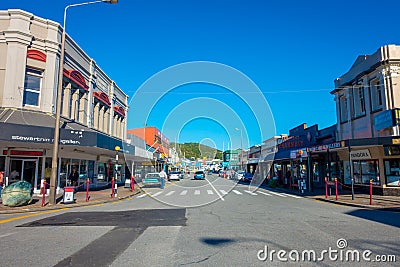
(69,194)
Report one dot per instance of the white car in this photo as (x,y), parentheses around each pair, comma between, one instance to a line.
(174,176)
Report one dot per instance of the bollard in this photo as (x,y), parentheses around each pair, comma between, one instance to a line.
(112,187)
(326,187)
(44,193)
(87,189)
(370,192)
(336,185)
(132,184)
(115,190)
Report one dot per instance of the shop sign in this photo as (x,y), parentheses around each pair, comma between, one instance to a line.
(386,119)
(299,153)
(360,154)
(325,147)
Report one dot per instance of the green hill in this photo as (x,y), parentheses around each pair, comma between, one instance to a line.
(197,151)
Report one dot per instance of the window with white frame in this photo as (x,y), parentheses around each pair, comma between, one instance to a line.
(344,112)
(32,86)
(376,89)
(359,101)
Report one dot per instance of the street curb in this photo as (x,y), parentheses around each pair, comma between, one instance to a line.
(370,207)
(69,206)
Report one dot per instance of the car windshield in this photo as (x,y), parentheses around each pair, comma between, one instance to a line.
(152,175)
(175,173)
(199,172)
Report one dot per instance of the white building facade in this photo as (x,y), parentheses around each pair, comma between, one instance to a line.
(368,114)
(93,112)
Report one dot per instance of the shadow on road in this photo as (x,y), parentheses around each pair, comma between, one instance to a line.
(378,215)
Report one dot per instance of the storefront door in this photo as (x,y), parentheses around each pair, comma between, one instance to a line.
(23,169)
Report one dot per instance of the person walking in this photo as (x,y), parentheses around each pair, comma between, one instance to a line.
(163,176)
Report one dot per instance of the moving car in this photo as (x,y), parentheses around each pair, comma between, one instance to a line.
(199,175)
(154,178)
(174,176)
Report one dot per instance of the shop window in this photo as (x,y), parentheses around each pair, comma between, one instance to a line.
(392,171)
(315,170)
(32,85)
(366,170)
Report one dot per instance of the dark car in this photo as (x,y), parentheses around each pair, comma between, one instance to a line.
(247,177)
(199,175)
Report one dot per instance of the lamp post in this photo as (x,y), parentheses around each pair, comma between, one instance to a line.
(54,162)
(117,148)
(241,148)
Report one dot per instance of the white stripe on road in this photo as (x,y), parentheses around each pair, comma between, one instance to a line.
(184,192)
(210,192)
(197,192)
(216,191)
(141,196)
(277,194)
(291,195)
(251,193)
(223,192)
(261,192)
(237,192)
(156,194)
(170,193)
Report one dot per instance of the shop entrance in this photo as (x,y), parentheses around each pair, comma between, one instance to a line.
(23,169)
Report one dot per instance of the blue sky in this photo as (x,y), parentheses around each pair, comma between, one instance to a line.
(291,50)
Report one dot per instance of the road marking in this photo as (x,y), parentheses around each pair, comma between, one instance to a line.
(237,192)
(1,236)
(141,196)
(30,215)
(197,192)
(290,195)
(251,193)
(261,192)
(170,193)
(156,194)
(277,194)
(223,192)
(184,192)
(216,191)
(210,192)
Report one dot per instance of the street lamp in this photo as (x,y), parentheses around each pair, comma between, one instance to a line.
(117,148)
(54,162)
(241,147)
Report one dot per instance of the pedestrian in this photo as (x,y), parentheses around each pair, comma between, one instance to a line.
(73,177)
(163,174)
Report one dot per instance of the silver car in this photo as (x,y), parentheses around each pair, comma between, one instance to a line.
(174,176)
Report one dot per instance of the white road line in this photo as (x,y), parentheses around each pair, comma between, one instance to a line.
(277,194)
(261,192)
(170,193)
(251,193)
(197,192)
(141,196)
(8,234)
(156,194)
(184,192)
(291,195)
(210,192)
(223,192)
(237,192)
(216,191)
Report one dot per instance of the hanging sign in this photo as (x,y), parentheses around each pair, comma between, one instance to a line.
(360,154)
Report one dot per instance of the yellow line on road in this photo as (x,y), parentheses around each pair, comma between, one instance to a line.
(31,215)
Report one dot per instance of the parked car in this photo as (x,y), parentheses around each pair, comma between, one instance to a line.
(174,176)
(247,177)
(239,175)
(154,178)
(199,175)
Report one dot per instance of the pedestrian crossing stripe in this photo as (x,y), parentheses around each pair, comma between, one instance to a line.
(261,192)
(223,192)
(251,193)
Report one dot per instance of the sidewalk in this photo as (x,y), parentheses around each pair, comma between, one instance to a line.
(344,198)
(95,197)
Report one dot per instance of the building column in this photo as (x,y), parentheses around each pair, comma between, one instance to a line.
(74,103)
(83,108)
(96,116)
(101,118)
(66,100)
(107,119)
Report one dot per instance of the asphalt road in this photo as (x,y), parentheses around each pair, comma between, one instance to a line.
(212,222)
